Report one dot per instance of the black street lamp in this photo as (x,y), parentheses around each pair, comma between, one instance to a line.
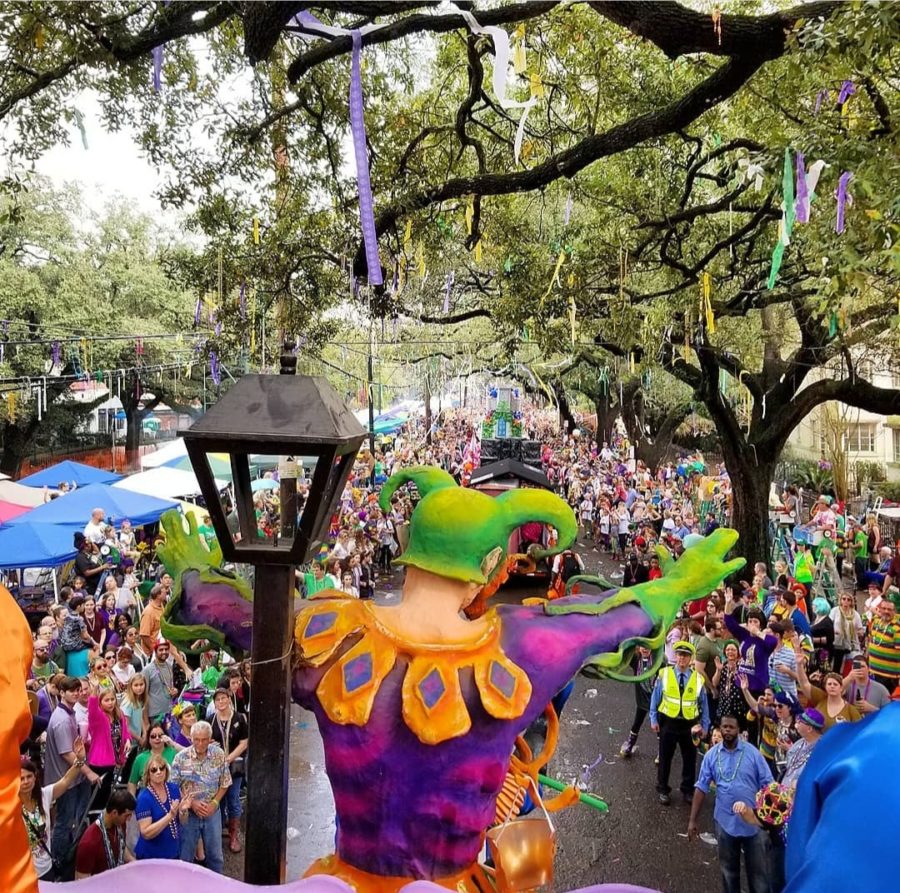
(285,415)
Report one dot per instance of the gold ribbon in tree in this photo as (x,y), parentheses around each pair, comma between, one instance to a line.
(520,62)
(407,237)
(572,312)
(706,303)
(554,279)
(470,214)
(537,86)
(420,260)
(256,230)
(479,252)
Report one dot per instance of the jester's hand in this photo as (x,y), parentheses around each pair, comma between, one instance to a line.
(699,570)
(208,602)
(183,550)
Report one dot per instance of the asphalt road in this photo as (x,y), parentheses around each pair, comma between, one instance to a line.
(638,841)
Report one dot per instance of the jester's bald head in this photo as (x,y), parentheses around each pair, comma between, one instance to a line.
(463,534)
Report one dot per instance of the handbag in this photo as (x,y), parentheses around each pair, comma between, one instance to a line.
(239,766)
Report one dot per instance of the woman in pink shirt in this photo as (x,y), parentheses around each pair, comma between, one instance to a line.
(110,740)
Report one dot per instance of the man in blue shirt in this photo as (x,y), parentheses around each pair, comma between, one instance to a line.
(739,771)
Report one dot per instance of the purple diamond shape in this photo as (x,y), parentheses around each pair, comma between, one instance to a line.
(432,688)
(357,672)
(502,679)
(319,624)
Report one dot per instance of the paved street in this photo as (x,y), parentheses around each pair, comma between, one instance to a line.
(638,841)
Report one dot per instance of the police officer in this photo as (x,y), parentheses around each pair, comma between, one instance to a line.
(679,712)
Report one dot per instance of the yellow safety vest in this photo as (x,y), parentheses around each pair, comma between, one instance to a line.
(673,703)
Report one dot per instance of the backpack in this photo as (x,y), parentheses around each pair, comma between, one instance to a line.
(570,566)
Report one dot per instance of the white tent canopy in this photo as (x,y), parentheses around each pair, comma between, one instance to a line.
(164,483)
(175,449)
(18,494)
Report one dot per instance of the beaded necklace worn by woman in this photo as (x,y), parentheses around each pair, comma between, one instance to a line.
(173,828)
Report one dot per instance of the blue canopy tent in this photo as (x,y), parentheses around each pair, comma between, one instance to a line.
(35,545)
(73,510)
(70,472)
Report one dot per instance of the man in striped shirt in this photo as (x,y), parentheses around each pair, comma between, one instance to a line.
(884,645)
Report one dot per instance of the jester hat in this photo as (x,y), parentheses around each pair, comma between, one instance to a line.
(454,529)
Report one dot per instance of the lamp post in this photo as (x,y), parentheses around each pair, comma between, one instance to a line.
(281,415)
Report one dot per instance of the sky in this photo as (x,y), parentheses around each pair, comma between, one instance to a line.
(111,165)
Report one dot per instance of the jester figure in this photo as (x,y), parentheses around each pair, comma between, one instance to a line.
(418,706)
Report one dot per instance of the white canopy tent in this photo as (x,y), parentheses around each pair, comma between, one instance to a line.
(18,494)
(165,483)
(174,449)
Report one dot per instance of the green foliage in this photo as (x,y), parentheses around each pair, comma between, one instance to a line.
(870,472)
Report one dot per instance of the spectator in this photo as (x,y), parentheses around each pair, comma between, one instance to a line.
(726,684)
(60,755)
(822,634)
(738,771)
(152,617)
(864,692)
(134,706)
(123,670)
(110,740)
(74,639)
(892,577)
(809,726)
(201,773)
(42,668)
(159,744)
(158,807)
(88,565)
(884,645)
(160,676)
(783,673)
(756,647)
(848,630)
(102,847)
(831,703)
(230,732)
(37,809)
(94,530)
(641,663)
(709,653)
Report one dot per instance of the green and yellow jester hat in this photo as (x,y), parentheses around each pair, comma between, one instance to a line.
(463,534)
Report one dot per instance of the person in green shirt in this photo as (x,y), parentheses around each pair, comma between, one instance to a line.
(317,580)
(804,566)
(160,745)
(860,550)
(206,531)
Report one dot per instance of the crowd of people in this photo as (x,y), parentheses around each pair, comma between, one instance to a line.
(139,751)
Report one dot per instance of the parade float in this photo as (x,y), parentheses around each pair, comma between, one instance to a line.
(419,707)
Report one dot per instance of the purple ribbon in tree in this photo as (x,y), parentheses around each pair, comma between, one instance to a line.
(802,204)
(358,127)
(821,96)
(847,90)
(55,349)
(242,300)
(157,54)
(842,198)
(451,276)
(5,327)
(214,368)
(198,309)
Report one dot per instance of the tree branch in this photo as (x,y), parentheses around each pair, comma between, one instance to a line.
(677,30)
(435,24)
(727,79)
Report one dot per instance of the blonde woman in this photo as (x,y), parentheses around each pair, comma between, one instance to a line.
(157,813)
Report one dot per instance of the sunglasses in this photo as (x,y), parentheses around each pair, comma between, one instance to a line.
(157,769)
(99,666)
(157,735)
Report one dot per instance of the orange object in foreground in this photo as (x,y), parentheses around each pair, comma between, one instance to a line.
(16,869)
